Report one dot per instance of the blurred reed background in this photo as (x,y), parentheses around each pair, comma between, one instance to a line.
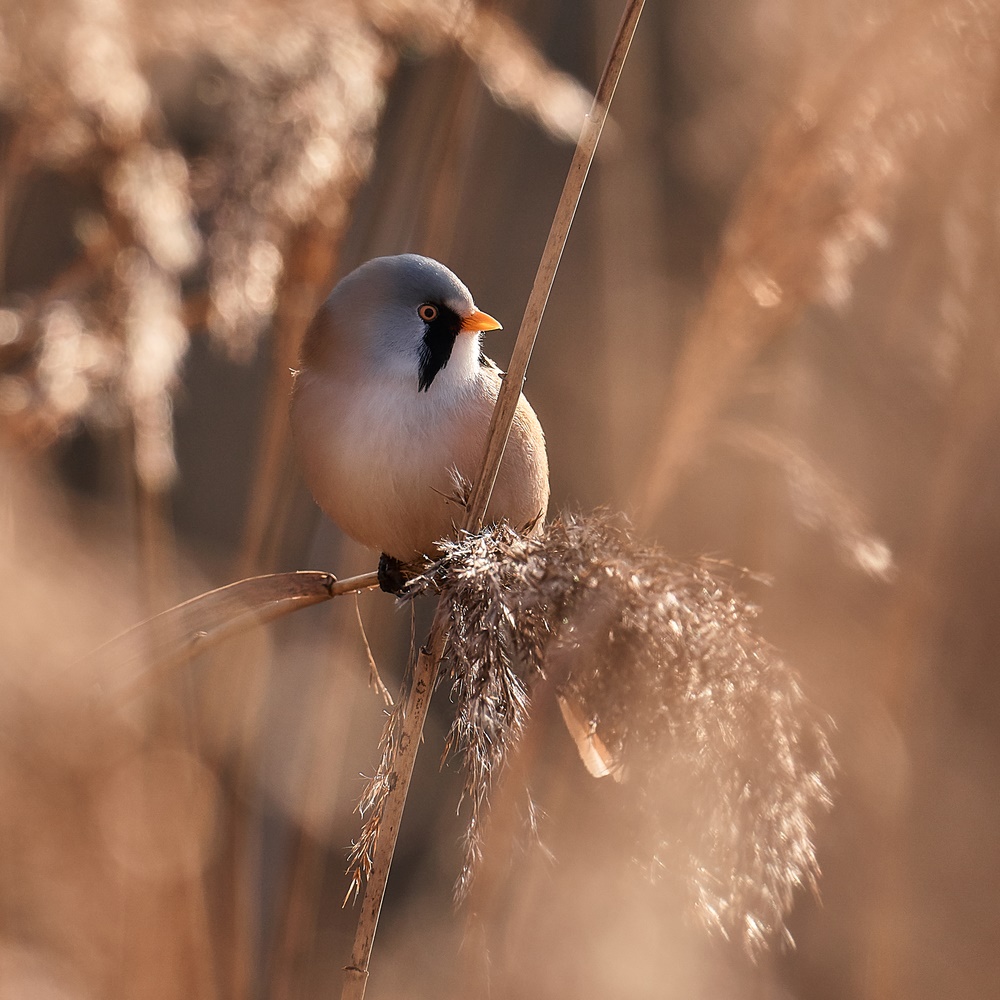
(772,340)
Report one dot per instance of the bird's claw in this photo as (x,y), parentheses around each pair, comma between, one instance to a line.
(391,577)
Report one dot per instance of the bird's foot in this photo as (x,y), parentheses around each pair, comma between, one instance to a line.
(391,577)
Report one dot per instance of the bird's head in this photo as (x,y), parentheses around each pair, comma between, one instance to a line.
(406,316)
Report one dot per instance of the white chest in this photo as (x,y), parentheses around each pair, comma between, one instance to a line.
(378,460)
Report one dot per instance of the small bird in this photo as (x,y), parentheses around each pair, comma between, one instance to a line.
(393,398)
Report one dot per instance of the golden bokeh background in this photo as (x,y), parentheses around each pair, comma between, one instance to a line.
(772,340)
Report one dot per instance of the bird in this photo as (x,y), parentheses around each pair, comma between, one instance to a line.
(391,405)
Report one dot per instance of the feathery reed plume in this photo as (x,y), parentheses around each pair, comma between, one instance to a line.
(727,762)
(370,808)
(206,137)
(818,500)
(822,197)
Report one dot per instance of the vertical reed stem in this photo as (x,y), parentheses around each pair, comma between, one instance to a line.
(424,680)
(510,391)
(428,663)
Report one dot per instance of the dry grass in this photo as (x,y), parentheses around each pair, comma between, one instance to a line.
(663,661)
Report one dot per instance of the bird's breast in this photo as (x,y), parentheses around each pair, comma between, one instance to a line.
(379,460)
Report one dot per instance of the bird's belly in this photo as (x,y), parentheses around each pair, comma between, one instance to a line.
(383,473)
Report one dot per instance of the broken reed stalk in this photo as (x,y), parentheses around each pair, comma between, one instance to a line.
(181,632)
(308,260)
(428,663)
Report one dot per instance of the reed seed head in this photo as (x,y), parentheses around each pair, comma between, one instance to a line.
(725,763)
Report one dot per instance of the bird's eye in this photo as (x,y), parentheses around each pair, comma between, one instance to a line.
(428,313)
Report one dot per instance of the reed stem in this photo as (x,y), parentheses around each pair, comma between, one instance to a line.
(190,628)
(428,663)
(510,391)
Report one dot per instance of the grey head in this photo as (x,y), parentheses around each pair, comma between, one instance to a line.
(393,317)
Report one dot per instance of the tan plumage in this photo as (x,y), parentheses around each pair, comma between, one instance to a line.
(376,441)
(389,404)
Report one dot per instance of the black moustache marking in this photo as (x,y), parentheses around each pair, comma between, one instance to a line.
(439,340)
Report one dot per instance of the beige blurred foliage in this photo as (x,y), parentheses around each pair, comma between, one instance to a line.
(103,829)
(285,100)
(773,338)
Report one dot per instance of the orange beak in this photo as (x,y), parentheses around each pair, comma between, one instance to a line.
(479,322)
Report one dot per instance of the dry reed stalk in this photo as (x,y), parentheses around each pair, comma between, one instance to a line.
(818,201)
(914,614)
(424,218)
(12,171)
(391,810)
(513,381)
(175,635)
(428,663)
(309,263)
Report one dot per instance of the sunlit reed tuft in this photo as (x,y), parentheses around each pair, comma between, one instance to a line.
(724,763)
(207,136)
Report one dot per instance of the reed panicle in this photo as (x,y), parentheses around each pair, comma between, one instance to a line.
(725,763)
